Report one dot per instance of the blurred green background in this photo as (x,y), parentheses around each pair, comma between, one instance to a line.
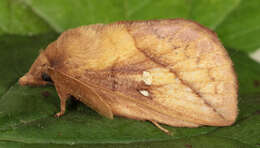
(27,114)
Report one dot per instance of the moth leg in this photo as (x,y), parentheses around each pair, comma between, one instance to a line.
(62,107)
(63,98)
(161,128)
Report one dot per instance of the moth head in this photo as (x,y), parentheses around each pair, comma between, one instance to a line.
(38,73)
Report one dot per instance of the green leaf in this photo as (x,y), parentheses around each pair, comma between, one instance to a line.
(211,13)
(247,72)
(18,18)
(244,131)
(204,141)
(1,31)
(136,10)
(64,14)
(241,30)
(27,114)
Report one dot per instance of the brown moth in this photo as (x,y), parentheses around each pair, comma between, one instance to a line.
(174,72)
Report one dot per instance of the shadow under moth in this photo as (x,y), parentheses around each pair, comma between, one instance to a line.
(174,72)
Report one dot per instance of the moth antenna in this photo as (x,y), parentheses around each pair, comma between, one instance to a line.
(161,128)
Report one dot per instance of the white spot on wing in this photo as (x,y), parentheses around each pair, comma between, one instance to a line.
(144,93)
(147,78)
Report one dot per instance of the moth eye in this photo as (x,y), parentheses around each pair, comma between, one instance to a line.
(46,77)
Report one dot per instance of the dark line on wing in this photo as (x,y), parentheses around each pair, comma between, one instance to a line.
(162,64)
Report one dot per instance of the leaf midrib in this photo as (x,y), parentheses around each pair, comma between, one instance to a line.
(8,89)
(41,15)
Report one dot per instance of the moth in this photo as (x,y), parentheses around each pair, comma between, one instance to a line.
(174,72)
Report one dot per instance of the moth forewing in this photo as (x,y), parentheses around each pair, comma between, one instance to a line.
(174,72)
(81,91)
(142,110)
